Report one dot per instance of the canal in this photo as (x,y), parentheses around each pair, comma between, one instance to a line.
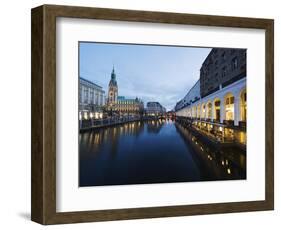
(154,151)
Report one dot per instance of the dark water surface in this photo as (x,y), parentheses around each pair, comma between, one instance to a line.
(159,151)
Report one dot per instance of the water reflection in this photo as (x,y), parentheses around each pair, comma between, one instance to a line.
(106,139)
(155,151)
(223,162)
(154,126)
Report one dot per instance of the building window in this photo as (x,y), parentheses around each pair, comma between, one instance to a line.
(223,73)
(216,76)
(243,107)
(80,94)
(209,110)
(217,110)
(85,95)
(234,64)
(229,108)
(223,56)
(97,99)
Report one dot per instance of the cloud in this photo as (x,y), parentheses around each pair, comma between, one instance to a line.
(152,73)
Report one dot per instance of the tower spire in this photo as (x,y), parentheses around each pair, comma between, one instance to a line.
(113,75)
(112,89)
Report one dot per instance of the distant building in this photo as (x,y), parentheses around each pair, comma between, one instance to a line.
(222,67)
(192,96)
(91,99)
(129,106)
(154,109)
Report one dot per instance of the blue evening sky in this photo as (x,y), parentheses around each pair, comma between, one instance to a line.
(152,73)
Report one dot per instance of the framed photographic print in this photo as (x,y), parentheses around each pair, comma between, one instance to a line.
(140,114)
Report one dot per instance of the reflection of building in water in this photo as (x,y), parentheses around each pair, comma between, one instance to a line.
(154,126)
(91,99)
(98,139)
(224,163)
(222,107)
(120,104)
(154,109)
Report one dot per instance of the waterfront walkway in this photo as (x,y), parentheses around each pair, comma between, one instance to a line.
(213,133)
(86,125)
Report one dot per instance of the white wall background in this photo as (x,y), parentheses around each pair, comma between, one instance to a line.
(15,113)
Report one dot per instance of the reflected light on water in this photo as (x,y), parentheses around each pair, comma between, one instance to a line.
(159,151)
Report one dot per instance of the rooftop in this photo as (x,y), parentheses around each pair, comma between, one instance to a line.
(123,98)
(90,82)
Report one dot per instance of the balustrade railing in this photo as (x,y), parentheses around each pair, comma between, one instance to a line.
(94,123)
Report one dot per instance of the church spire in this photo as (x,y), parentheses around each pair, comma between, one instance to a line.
(113,75)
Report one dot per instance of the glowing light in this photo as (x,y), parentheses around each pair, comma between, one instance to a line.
(222,162)
(228,171)
(86,116)
(220,128)
(91,115)
(80,116)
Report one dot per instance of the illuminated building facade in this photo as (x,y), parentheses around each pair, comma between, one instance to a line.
(222,107)
(91,99)
(155,109)
(129,106)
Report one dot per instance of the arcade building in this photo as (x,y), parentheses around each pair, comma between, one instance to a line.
(218,106)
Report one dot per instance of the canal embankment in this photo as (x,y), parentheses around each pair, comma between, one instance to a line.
(88,125)
(213,134)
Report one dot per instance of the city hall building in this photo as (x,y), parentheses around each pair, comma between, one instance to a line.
(219,108)
(129,106)
(119,104)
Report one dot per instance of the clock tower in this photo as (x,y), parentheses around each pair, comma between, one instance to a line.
(112,89)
